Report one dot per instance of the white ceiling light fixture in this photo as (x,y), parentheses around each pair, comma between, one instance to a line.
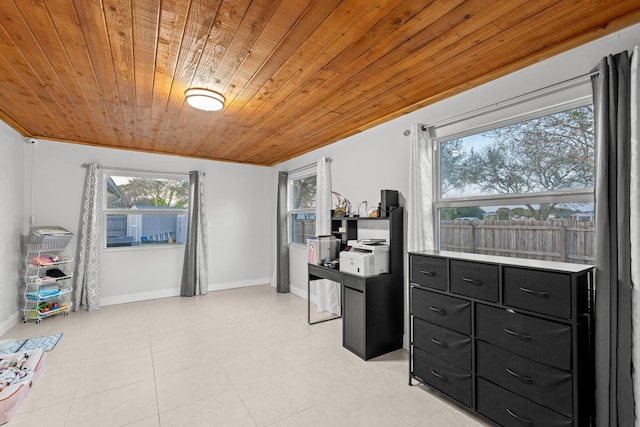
(205,99)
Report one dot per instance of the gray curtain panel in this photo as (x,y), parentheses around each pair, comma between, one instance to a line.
(195,275)
(87,277)
(282,242)
(614,390)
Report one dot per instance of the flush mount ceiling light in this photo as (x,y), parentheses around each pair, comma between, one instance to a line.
(205,99)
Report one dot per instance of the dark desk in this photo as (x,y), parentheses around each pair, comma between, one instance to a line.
(372,310)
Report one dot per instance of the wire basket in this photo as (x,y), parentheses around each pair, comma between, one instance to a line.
(49,238)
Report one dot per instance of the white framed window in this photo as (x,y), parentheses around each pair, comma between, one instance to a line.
(144,209)
(520,187)
(302,206)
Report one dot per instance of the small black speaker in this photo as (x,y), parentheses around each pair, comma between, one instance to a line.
(388,200)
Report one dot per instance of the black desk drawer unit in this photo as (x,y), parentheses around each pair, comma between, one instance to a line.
(509,339)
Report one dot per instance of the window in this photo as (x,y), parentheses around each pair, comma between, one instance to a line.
(523,189)
(302,207)
(145,210)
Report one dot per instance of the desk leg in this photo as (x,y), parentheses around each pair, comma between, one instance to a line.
(309,300)
(309,279)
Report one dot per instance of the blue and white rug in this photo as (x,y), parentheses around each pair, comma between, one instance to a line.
(46,343)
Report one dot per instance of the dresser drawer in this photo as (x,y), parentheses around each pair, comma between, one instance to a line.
(509,409)
(443,376)
(474,279)
(443,343)
(543,384)
(450,312)
(429,271)
(544,292)
(541,340)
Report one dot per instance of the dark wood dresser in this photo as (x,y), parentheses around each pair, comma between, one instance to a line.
(510,339)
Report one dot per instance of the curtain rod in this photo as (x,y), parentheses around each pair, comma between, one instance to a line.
(407,132)
(513,98)
(115,168)
(329,159)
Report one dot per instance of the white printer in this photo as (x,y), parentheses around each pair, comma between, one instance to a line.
(366,257)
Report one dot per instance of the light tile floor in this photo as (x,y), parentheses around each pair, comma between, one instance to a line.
(242,357)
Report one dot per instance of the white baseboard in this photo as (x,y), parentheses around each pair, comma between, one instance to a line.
(240,284)
(139,296)
(10,322)
(174,292)
(299,291)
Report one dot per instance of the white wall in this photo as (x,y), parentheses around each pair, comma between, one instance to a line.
(12,166)
(362,166)
(238,208)
(45,181)
(378,158)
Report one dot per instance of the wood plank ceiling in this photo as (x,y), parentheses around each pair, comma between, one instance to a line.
(296,74)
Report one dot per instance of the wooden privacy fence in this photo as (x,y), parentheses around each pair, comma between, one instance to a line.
(552,240)
(303,229)
(116,225)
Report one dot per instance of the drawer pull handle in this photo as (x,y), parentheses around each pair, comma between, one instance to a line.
(439,376)
(523,421)
(473,282)
(523,378)
(540,294)
(523,337)
(437,310)
(428,273)
(439,343)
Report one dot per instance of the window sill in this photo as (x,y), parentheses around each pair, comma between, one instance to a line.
(144,248)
